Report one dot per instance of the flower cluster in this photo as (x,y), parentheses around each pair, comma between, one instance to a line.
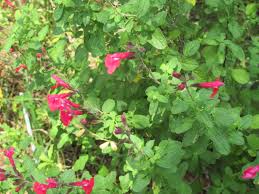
(61,102)
(40,188)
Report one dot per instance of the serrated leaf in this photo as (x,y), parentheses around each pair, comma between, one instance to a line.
(236,50)
(190,48)
(140,121)
(219,140)
(158,40)
(43,33)
(137,7)
(140,183)
(236,138)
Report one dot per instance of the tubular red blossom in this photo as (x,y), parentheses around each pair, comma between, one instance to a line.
(9,3)
(43,188)
(9,154)
(87,185)
(60,83)
(21,66)
(250,172)
(181,86)
(112,61)
(176,75)
(214,85)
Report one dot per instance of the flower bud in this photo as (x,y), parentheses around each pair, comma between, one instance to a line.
(181,86)
(118,131)
(11,50)
(84,121)
(38,55)
(2,175)
(123,119)
(176,75)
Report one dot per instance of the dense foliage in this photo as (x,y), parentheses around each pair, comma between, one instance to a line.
(130,68)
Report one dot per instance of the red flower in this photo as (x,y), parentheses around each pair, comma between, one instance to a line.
(60,83)
(181,86)
(87,185)
(112,61)
(9,3)
(214,85)
(250,172)
(60,102)
(39,55)
(9,154)
(2,175)
(176,75)
(66,116)
(21,66)
(42,188)
(11,50)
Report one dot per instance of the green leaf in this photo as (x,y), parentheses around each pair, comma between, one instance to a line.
(224,117)
(96,44)
(140,183)
(57,51)
(236,50)
(125,183)
(140,121)
(169,154)
(68,176)
(235,29)
(58,13)
(80,163)
(190,48)
(236,138)
(219,140)
(43,33)
(158,40)
(108,105)
(137,7)
(63,140)
(181,125)
(253,141)
(255,122)
(240,75)
(179,106)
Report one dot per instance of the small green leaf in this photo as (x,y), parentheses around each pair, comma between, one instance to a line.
(255,122)
(63,140)
(190,48)
(236,50)
(80,163)
(140,183)
(158,40)
(58,13)
(240,75)
(68,176)
(108,105)
(43,33)
(125,183)
(253,141)
(219,140)
(236,138)
(140,121)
